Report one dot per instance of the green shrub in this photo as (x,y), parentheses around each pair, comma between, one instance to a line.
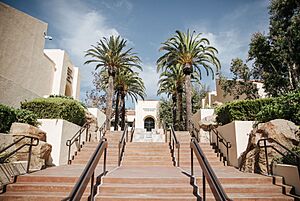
(289,158)
(57,108)
(243,110)
(261,110)
(67,97)
(26,116)
(7,117)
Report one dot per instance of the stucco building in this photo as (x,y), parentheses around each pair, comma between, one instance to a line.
(27,70)
(218,96)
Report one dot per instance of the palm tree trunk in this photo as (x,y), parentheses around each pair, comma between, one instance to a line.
(117,111)
(109,100)
(188,92)
(174,100)
(123,112)
(179,116)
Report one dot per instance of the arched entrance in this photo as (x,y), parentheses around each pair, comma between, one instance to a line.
(149,124)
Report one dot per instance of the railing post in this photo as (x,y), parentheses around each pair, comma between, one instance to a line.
(119,158)
(227,146)
(203,186)
(79,142)
(218,149)
(92,187)
(104,161)
(192,162)
(69,155)
(86,133)
(178,156)
(266,154)
(29,155)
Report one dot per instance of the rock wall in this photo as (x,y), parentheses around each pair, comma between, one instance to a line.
(283,131)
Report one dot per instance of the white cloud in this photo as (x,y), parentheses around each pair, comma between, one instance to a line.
(79,27)
(150,78)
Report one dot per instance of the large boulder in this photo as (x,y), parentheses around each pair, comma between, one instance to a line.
(41,155)
(28,130)
(283,131)
(93,126)
(208,122)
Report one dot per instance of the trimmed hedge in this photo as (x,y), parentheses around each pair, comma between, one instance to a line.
(261,110)
(244,110)
(57,108)
(9,115)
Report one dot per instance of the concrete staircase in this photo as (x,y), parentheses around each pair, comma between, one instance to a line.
(55,183)
(147,173)
(237,185)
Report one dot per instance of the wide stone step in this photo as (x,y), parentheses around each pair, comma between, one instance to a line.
(45,186)
(246,188)
(36,196)
(148,197)
(143,180)
(149,189)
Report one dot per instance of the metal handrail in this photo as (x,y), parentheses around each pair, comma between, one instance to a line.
(122,143)
(271,140)
(31,144)
(207,173)
(221,139)
(194,130)
(88,174)
(102,130)
(77,137)
(174,143)
(132,130)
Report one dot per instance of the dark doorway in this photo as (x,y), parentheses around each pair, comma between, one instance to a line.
(149,124)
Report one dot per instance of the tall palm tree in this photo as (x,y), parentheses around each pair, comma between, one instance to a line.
(110,54)
(192,53)
(130,86)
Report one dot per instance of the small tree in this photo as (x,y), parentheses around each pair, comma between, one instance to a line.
(241,83)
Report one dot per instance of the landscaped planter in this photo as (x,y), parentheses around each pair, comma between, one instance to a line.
(290,174)
(58,132)
(237,133)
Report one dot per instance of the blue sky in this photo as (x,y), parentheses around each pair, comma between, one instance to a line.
(77,24)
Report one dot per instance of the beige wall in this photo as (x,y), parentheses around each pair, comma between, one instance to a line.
(58,132)
(237,133)
(25,72)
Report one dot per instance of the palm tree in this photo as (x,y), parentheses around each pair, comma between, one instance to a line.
(130,85)
(192,53)
(110,54)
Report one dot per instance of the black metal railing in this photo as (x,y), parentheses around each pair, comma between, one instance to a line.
(287,150)
(132,130)
(77,138)
(34,141)
(102,130)
(122,143)
(174,143)
(207,173)
(88,174)
(194,131)
(217,145)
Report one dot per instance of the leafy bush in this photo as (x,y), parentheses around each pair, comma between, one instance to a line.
(57,108)
(244,110)
(26,116)
(289,158)
(67,97)
(262,110)
(7,117)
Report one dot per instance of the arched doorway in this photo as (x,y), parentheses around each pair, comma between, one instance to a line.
(149,124)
